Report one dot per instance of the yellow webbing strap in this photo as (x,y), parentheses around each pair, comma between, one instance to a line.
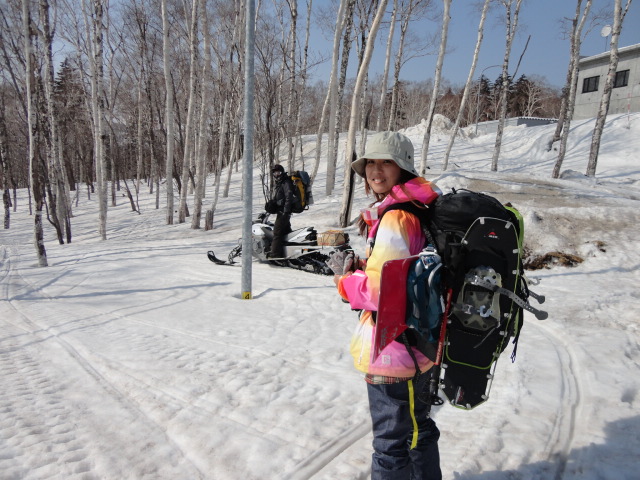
(414,439)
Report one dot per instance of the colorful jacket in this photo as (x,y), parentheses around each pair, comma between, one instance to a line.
(397,235)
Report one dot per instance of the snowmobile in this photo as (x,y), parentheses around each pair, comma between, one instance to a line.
(301,246)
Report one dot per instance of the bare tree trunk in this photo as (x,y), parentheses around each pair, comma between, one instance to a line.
(48,126)
(569,98)
(189,136)
(236,117)
(201,153)
(224,121)
(303,70)
(511,31)
(36,176)
(331,89)
(4,163)
(467,87)
(233,154)
(436,85)
(385,72)
(290,125)
(56,186)
(168,111)
(335,118)
(573,58)
(140,139)
(618,18)
(405,18)
(363,71)
(97,108)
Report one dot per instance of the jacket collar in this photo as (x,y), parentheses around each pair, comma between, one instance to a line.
(417,189)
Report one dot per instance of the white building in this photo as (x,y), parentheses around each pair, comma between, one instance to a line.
(625,96)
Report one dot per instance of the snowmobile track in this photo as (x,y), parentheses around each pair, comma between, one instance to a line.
(563,431)
(70,453)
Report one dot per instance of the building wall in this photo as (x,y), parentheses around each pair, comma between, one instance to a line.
(623,99)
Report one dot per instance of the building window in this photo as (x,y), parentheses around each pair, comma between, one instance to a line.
(590,84)
(622,79)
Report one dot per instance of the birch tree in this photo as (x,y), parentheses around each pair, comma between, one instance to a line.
(335,56)
(201,149)
(94,21)
(570,88)
(618,18)
(292,100)
(168,111)
(467,86)
(58,187)
(189,135)
(387,61)
(303,84)
(363,71)
(335,118)
(4,164)
(511,23)
(36,175)
(407,10)
(575,41)
(436,85)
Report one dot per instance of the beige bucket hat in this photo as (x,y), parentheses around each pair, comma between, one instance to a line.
(387,146)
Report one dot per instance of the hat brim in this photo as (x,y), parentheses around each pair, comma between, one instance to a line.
(360,164)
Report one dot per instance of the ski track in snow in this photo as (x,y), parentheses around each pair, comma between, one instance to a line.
(561,437)
(55,414)
(119,382)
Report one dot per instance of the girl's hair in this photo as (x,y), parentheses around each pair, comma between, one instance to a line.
(404,178)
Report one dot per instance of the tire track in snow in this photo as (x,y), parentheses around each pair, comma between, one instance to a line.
(562,434)
(47,382)
(328,452)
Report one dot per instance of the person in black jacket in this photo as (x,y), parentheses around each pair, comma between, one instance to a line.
(282,200)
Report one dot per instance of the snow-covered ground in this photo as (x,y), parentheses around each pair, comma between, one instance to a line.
(136,358)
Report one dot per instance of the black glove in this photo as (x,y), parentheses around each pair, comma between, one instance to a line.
(342,262)
(271,206)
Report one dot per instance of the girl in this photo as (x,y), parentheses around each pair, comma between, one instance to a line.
(405,438)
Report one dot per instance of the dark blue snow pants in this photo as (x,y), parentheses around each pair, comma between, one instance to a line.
(393,433)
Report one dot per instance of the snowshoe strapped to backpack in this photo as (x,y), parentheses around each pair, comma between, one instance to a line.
(480,277)
(480,241)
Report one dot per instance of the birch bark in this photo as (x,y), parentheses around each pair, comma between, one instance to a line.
(467,86)
(511,27)
(331,88)
(436,86)
(571,87)
(618,19)
(363,71)
(36,176)
(168,111)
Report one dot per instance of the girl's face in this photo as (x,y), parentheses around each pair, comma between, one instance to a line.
(382,175)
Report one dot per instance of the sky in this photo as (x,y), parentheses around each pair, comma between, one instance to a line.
(135,357)
(546,55)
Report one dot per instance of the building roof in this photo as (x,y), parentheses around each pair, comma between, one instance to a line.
(605,55)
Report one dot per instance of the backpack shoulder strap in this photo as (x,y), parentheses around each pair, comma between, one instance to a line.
(421,213)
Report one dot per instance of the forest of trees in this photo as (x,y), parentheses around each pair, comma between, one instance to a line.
(101,96)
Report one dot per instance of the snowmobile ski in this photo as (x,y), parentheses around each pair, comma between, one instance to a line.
(212,256)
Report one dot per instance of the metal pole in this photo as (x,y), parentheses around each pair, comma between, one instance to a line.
(247,169)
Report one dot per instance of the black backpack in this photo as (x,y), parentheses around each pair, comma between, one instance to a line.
(479,241)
